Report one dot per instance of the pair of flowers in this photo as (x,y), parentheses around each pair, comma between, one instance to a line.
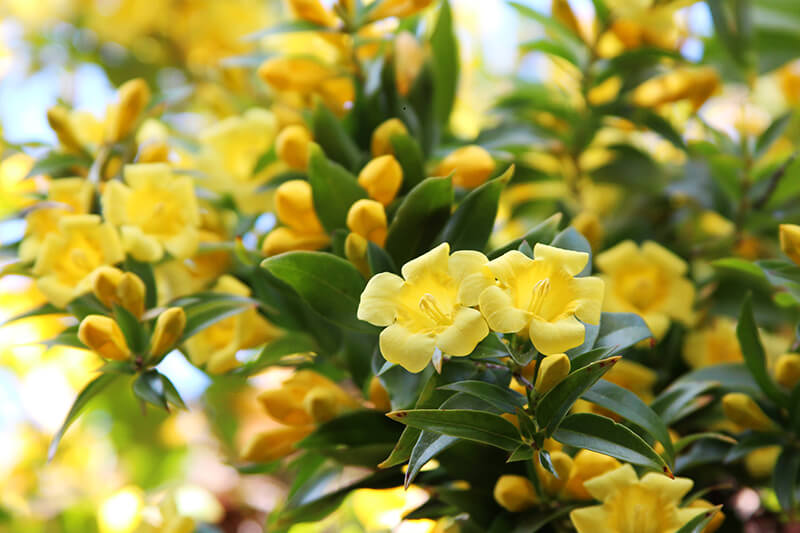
(433,306)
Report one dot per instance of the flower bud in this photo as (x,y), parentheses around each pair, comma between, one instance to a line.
(168,330)
(58,118)
(312,11)
(695,84)
(153,152)
(588,224)
(562,12)
(760,463)
(103,336)
(744,411)
(292,146)
(133,98)
(605,91)
(790,241)
(562,464)
(398,8)
(293,73)
(112,286)
(382,136)
(368,219)
(586,465)
(106,279)
(382,178)
(471,166)
(322,404)
(409,56)
(515,493)
(553,369)
(787,370)
(275,443)
(715,522)
(355,249)
(295,207)
(378,395)
(338,93)
(282,240)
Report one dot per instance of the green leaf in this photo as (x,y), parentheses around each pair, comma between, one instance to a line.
(91,390)
(171,393)
(409,154)
(751,441)
(621,330)
(289,26)
(378,260)
(754,356)
(739,267)
(149,388)
(330,134)
(626,404)
(329,284)
(782,274)
(290,344)
(132,330)
(699,522)
(555,405)
(479,426)
(429,444)
(660,125)
(678,400)
(771,134)
(41,310)
(360,438)
(570,239)
(551,48)
(580,361)
(334,190)
(490,347)
(784,478)
(68,337)
(557,30)
(472,222)
(57,165)
(502,398)
(445,63)
(603,435)
(684,442)
(206,309)
(420,217)
(544,232)
(145,272)
(86,305)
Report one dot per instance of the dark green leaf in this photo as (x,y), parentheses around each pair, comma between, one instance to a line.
(57,165)
(132,330)
(491,347)
(150,388)
(753,351)
(680,399)
(379,260)
(784,478)
(551,48)
(289,344)
(331,135)
(146,274)
(751,441)
(544,232)
(771,134)
(502,398)
(479,426)
(206,309)
(699,522)
(334,189)
(445,62)
(621,330)
(409,155)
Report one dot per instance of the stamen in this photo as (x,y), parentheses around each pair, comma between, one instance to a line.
(430,307)
(540,291)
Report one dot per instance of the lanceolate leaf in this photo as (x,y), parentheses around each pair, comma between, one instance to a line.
(544,232)
(334,190)
(445,64)
(603,435)
(699,522)
(621,330)
(753,351)
(205,309)
(331,135)
(409,154)
(502,398)
(479,426)
(784,477)
(291,343)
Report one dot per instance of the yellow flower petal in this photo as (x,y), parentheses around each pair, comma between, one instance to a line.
(466,262)
(556,337)
(468,329)
(472,286)
(680,300)
(668,488)
(618,257)
(501,315)
(377,305)
(589,297)
(604,485)
(573,262)
(412,351)
(142,247)
(590,519)
(664,258)
(509,266)
(658,323)
(435,260)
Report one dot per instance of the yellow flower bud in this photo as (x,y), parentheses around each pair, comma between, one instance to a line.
(563,13)
(275,443)
(368,219)
(472,165)
(291,146)
(744,411)
(586,465)
(355,249)
(153,152)
(787,370)
(715,522)
(133,98)
(293,73)
(378,395)
(760,463)
(382,136)
(695,84)
(105,283)
(322,404)
(295,207)
(168,330)
(562,464)
(790,241)
(338,93)
(112,286)
(312,11)
(103,336)
(515,493)
(58,118)
(409,57)
(398,8)
(604,92)
(382,178)
(553,369)
(588,224)
(282,240)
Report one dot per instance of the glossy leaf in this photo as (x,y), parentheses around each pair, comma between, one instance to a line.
(503,398)
(754,356)
(479,426)
(333,188)
(621,330)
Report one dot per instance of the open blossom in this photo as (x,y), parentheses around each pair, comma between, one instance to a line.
(632,505)
(69,257)
(649,281)
(155,210)
(423,310)
(540,296)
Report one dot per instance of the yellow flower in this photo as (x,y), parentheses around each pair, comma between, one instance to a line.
(515,493)
(745,412)
(542,297)
(471,166)
(409,57)
(338,93)
(103,336)
(312,11)
(126,289)
(306,398)
(588,224)
(552,371)
(169,328)
(299,74)
(282,240)
(69,196)
(715,522)
(378,395)
(121,117)
(295,207)
(68,257)
(381,143)
(155,211)
(381,178)
(760,463)
(790,241)
(562,464)
(605,91)
(217,345)
(368,219)
(649,281)
(398,8)
(292,144)
(58,117)
(424,310)
(274,443)
(587,465)
(787,370)
(632,505)
(695,84)
(713,344)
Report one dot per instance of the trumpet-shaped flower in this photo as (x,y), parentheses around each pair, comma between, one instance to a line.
(155,211)
(69,257)
(632,505)
(423,309)
(306,398)
(649,281)
(540,296)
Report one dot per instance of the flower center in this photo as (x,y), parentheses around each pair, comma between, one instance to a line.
(540,291)
(430,307)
